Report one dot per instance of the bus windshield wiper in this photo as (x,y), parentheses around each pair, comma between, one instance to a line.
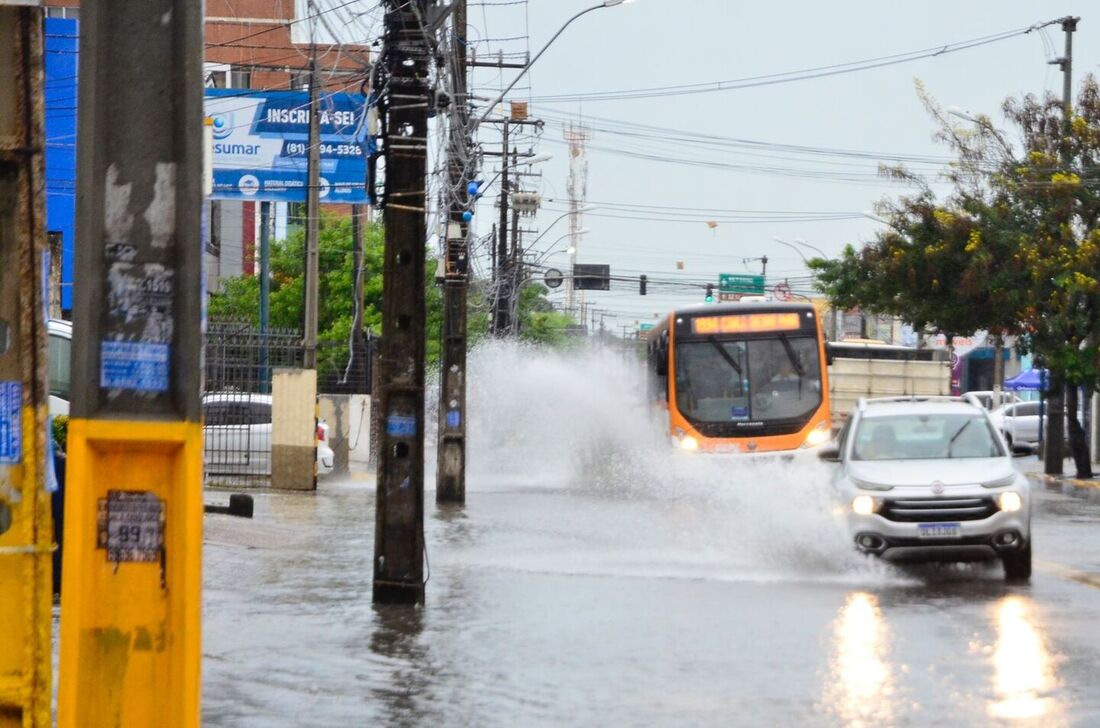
(799,369)
(725,354)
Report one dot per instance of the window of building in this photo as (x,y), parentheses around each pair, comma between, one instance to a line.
(70,13)
(240,77)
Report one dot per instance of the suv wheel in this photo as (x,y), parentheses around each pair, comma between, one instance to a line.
(1018,564)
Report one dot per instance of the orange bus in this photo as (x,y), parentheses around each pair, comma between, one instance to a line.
(740,377)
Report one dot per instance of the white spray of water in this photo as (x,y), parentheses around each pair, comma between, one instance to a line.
(579,422)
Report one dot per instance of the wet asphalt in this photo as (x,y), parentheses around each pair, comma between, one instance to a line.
(720,595)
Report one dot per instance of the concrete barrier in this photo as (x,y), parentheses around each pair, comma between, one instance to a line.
(293,429)
(334,410)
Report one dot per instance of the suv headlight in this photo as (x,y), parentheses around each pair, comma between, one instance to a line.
(864,505)
(867,485)
(1010,501)
(1000,482)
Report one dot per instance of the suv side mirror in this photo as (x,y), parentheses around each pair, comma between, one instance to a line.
(829,453)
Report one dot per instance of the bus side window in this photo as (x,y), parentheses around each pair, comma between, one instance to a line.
(662,356)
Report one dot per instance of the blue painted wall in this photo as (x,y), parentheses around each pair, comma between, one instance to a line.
(61,76)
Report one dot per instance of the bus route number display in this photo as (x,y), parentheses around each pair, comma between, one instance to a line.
(746,323)
(131,526)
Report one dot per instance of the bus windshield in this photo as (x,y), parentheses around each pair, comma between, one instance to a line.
(772,378)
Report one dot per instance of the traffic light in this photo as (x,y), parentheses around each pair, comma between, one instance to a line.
(710,293)
(641,284)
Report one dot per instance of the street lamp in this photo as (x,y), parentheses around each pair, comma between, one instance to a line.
(525,69)
(582,209)
(983,122)
(803,243)
(550,250)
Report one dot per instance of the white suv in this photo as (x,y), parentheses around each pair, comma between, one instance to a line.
(931,479)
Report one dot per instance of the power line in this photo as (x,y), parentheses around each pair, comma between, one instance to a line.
(789,76)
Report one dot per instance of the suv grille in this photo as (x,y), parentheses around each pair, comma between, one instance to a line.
(938,509)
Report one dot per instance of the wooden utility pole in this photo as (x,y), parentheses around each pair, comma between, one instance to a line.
(1055,434)
(450,485)
(403,108)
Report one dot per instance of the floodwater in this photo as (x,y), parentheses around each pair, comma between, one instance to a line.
(596,577)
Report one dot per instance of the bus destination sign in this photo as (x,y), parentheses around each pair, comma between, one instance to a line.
(746,323)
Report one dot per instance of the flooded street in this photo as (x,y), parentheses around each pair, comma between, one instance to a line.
(597,578)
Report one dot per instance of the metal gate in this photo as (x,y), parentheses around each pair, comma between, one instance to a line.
(236,401)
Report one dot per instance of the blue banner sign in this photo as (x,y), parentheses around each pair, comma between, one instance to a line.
(261,145)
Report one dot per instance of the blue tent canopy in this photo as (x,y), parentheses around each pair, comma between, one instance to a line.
(1026,380)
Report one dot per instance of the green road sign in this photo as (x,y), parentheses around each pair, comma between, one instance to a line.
(741,283)
(645,327)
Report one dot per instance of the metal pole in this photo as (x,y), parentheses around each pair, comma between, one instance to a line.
(450,484)
(26,533)
(313,221)
(131,606)
(1054,455)
(265,295)
(399,509)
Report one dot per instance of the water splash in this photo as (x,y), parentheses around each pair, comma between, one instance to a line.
(579,422)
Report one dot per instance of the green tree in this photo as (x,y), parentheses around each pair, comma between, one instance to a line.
(1014,248)
(240,296)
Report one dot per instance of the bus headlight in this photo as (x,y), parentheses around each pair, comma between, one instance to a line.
(688,442)
(1010,501)
(863,505)
(818,435)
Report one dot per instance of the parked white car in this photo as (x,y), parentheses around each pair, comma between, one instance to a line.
(59,353)
(1018,423)
(988,398)
(931,479)
(237,435)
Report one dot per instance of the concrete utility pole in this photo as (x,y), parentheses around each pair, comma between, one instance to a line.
(313,217)
(501,295)
(1055,435)
(131,625)
(358,344)
(450,485)
(26,533)
(403,107)
(265,295)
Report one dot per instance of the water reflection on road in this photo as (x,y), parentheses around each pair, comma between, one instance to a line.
(860,686)
(1024,669)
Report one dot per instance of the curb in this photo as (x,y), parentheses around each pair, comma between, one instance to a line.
(1064,480)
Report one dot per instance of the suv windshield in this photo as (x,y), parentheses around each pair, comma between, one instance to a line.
(757,379)
(924,437)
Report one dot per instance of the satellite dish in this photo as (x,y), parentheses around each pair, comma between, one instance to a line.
(552,278)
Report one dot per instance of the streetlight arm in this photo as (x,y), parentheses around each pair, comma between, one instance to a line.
(781,241)
(538,55)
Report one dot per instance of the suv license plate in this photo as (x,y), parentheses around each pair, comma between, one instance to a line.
(939,530)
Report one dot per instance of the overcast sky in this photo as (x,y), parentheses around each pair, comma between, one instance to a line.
(655,43)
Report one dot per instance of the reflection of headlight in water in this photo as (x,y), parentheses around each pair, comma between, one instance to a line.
(1023,672)
(861,686)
